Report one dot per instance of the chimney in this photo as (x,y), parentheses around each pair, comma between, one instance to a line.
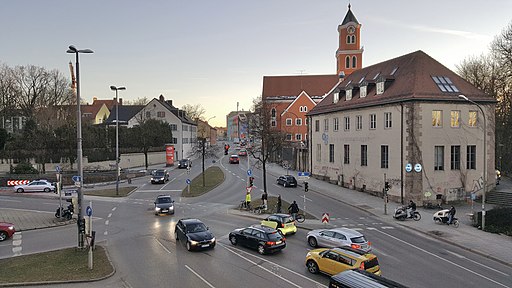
(120,101)
(94,99)
(169,102)
(161,98)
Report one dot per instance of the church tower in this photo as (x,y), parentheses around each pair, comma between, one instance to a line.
(349,56)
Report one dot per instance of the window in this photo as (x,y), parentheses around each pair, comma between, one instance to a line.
(455,158)
(346,154)
(289,137)
(185,140)
(318,152)
(472,118)
(455,118)
(394,71)
(298,122)
(174,127)
(445,84)
(387,120)
(336,97)
(471,157)
(305,108)
(348,94)
(306,121)
(298,137)
(174,140)
(346,120)
(437,118)
(373,121)
(160,114)
(347,62)
(336,124)
(384,156)
(288,121)
(273,123)
(273,113)
(438,158)
(148,114)
(354,61)
(331,153)
(362,91)
(326,124)
(300,109)
(359,122)
(364,155)
(353,38)
(184,128)
(380,87)
(349,39)
(317,125)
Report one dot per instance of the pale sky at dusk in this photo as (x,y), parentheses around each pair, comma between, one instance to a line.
(215,53)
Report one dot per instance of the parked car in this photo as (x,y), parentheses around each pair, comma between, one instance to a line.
(6,230)
(336,260)
(338,237)
(194,234)
(164,205)
(263,239)
(234,159)
(35,186)
(160,176)
(281,222)
(242,152)
(184,164)
(362,278)
(287,181)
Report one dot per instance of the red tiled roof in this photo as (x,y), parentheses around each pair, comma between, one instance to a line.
(412,80)
(314,85)
(109,103)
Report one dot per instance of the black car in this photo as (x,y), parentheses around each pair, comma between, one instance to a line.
(160,176)
(184,164)
(164,205)
(194,234)
(287,181)
(262,238)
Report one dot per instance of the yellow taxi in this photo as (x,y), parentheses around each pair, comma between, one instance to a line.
(281,222)
(332,261)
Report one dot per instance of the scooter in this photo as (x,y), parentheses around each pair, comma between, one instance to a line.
(441,217)
(401,214)
(65,213)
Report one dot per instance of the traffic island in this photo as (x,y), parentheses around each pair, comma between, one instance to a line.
(213,177)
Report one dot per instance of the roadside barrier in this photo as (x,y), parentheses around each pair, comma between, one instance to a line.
(17,182)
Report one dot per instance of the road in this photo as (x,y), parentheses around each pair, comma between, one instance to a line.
(145,253)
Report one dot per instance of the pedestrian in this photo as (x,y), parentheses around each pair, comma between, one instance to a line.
(248,200)
(264,197)
(294,209)
(451,215)
(279,203)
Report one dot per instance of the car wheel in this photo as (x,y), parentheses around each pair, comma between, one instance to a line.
(3,235)
(312,242)
(19,190)
(189,247)
(437,220)
(312,266)
(46,190)
(261,249)
(232,239)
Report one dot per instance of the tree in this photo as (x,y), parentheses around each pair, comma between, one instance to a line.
(150,133)
(203,150)
(271,140)
(137,102)
(195,112)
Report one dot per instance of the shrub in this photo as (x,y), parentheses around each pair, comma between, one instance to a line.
(497,220)
(24,168)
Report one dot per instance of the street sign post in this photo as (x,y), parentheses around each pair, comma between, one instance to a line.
(188,185)
(249,172)
(325,218)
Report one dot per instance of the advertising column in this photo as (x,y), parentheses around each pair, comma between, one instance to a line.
(169,155)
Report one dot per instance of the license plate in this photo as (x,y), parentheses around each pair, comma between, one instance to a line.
(165,211)
(279,242)
(205,245)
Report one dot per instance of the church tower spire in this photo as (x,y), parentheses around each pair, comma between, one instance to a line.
(349,56)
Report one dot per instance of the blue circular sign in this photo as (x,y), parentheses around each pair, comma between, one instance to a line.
(88,211)
(408,167)
(417,168)
(249,172)
(188,181)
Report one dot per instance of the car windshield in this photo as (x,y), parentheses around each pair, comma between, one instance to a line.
(360,239)
(274,236)
(159,173)
(163,200)
(290,178)
(196,227)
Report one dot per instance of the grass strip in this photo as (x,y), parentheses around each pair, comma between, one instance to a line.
(111,192)
(213,177)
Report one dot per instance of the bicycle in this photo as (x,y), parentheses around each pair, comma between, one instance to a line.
(299,217)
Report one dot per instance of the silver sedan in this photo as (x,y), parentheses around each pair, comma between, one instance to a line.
(338,237)
(35,186)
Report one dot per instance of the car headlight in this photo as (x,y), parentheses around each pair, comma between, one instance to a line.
(12,228)
(157,209)
(212,240)
(192,242)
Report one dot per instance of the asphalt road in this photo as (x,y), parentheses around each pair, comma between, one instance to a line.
(145,253)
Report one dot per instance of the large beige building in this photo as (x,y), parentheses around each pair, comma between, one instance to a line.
(404,121)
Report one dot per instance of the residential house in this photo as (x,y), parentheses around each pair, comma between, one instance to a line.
(204,130)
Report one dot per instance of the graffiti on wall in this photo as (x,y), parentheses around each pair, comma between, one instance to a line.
(478,184)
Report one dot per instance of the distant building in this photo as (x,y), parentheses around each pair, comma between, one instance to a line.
(237,126)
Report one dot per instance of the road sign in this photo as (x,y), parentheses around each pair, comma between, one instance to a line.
(76,178)
(417,168)
(325,218)
(249,172)
(304,174)
(408,167)
(188,181)
(77,184)
(88,211)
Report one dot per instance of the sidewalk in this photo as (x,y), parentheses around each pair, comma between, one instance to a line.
(494,246)
(24,220)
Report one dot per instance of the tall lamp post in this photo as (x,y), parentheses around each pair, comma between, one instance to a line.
(485,156)
(81,221)
(114,88)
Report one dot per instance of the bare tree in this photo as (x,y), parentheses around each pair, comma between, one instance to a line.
(195,112)
(138,102)
(205,151)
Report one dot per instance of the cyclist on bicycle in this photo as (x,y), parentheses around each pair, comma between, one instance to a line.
(294,210)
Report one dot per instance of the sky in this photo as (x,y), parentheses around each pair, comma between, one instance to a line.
(215,53)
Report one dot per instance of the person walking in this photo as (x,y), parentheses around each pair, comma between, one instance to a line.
(451,215)
(248,200)
(294,209)
(264,198)
(279,203)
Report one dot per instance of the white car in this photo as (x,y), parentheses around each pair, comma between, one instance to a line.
(35,186)
(338,237)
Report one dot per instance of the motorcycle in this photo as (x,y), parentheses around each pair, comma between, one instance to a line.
(402,214)
(65,213)
(441,217)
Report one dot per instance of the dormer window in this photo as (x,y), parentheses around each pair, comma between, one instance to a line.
(336,97)
(348,94)
(445,84)
(362,91)
(380,87)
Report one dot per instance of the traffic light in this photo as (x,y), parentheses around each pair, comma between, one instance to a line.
(81,225)
(386,186)
(306,186)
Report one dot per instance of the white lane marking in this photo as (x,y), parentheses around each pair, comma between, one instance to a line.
(357,229)
(16,250)
(199,276)
(464,257)
(160,243)
(233,174)
(106,222)
(243,180)
(17,236)
(105,233)
(16,242)
(441,258)
(231,249)
(109,215)
(387,227)
(156,191)
(114,209)
(29,210)
(7,200)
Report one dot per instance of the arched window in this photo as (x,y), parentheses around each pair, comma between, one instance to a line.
(305,108)
(353,39)
(348,39)
(273,113)
(347,62)
(354,61)
(301,109)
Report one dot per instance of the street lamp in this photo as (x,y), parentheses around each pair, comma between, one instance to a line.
(114,88)
(81,221)
(485,156)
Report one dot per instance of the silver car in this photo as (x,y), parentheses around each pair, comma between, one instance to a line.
(338,237)
(35,186)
